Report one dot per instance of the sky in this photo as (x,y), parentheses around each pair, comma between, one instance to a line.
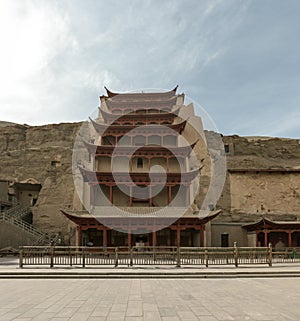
(237,59)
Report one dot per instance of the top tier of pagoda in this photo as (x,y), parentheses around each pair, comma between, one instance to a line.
(147,103)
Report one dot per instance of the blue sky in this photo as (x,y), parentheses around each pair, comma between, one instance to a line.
(238,59)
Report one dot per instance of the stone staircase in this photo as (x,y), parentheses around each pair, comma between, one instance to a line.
(16,221)
(18,211)
(47,239)
(14,217)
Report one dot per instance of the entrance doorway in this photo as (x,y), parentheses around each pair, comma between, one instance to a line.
(224,240)
(141,240)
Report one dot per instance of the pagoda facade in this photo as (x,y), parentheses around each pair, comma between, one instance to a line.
(142,175)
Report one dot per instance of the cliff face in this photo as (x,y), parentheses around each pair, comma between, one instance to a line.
(43,153)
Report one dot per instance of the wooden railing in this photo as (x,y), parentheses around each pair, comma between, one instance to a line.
(147,255)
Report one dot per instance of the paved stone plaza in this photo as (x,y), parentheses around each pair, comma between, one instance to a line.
(150,299)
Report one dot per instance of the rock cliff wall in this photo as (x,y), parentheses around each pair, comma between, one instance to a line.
(44,153)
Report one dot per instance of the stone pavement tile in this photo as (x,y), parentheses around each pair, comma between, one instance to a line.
(79,316)
(31,313)
(187,315)
(23,308)
(149,307)
(100,312)
(4,310)
(134,309)
(233,311)
(9,316)
(151,300)
(165,303)
(246,318)
(23,319)
(97,319)
(115,316)
(223,316)
(87,308)
(135,297)
(167,312)
(170,318)
(122,307)
(66,312)
(75,304)
(208,318)
(105,304)
(55,308)
(200,311)
(151,316)
(120,300)
(134,319)
(44,316)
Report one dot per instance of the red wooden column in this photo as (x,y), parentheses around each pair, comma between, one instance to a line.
(129,239)
(111,194)
(104,236)
(150,196)
(289,238)
(154,238)
(168,169)
(169,194)
(79,235)
(256,232)
(130,164)
(91,195)
(202,229)
(265,238)
(178,235)
(130,196)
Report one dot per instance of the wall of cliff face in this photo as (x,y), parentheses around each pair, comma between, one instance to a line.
(43,153)
(248,196)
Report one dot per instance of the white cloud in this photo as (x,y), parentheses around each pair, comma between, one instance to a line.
(32,35)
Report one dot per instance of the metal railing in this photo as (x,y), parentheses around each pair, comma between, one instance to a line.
(148,255)
(18,211)
(20,223)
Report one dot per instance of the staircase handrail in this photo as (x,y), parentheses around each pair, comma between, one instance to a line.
(22,224)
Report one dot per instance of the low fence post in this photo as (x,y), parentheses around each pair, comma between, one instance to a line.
(178,257)
(236,254)
(131,257)
(206,257)
(21,257)
(83,257)
(270,254)
(116,256)
(70,256)
(51,256)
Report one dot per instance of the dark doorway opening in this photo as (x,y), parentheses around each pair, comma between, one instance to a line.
(224,240)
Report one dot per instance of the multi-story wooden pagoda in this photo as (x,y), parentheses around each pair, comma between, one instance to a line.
(141,175)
